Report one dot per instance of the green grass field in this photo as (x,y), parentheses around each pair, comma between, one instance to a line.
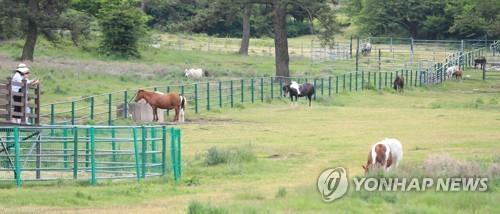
(274,151)
(287,146)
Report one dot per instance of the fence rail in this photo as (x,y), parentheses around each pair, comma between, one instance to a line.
(40,153)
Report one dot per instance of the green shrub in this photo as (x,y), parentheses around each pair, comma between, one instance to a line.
(281,192)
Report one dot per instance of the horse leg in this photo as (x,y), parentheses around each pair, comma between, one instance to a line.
(309,97)
(176,117)
(155,114)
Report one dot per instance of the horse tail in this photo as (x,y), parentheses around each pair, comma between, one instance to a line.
(183,102)
(182,108)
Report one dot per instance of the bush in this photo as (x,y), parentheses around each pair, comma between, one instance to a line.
(122,25)
(281,192)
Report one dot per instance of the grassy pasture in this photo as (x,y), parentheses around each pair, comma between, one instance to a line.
(292,144)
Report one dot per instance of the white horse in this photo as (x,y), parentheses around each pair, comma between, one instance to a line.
(386,153)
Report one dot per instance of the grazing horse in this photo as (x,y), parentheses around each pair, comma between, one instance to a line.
(163,101)
(451,70)
(293,89)
(481,61)
(386,154)
(458,74)
(399,83)
(366,49)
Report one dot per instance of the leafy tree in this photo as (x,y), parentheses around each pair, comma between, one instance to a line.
(122,25)
(35,16)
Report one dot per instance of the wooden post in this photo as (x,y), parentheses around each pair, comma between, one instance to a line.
(37,104)
(9,98)
(24,101)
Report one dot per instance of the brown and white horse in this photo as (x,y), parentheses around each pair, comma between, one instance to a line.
(385,154)
(163,101)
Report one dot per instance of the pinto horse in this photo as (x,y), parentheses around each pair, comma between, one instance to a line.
(386,154)
(163,101)
(366,49)
(293,89)
(399,83)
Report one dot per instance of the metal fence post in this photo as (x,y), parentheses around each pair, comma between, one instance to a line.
(356,81)
(163,150)
(144,145)
(125,104)
(92,156)
(73,113)
(220,94)
(252,89)
(136,155)
(242,88)
(92,108)
(196,97)
(17,152)
(322,88)
(75,153)
(343,82)
(272,88)
(208,96)
(110,115)
(379,80)
(337,84)
(329,85)
(281,86)
(231,93)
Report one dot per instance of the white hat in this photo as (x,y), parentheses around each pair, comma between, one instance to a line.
(22,68)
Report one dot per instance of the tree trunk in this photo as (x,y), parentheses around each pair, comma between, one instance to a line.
(29,45)
(413,28)
(311,26)
(245,39)
(280,39)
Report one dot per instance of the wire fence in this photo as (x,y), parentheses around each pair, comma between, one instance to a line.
(91,153)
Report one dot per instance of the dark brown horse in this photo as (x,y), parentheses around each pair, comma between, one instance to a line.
(481,61)
(399,83)
(163,101)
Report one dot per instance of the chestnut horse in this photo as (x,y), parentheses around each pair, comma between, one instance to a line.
(163,101)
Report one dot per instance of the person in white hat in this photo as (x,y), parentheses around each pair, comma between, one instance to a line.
(21,73)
